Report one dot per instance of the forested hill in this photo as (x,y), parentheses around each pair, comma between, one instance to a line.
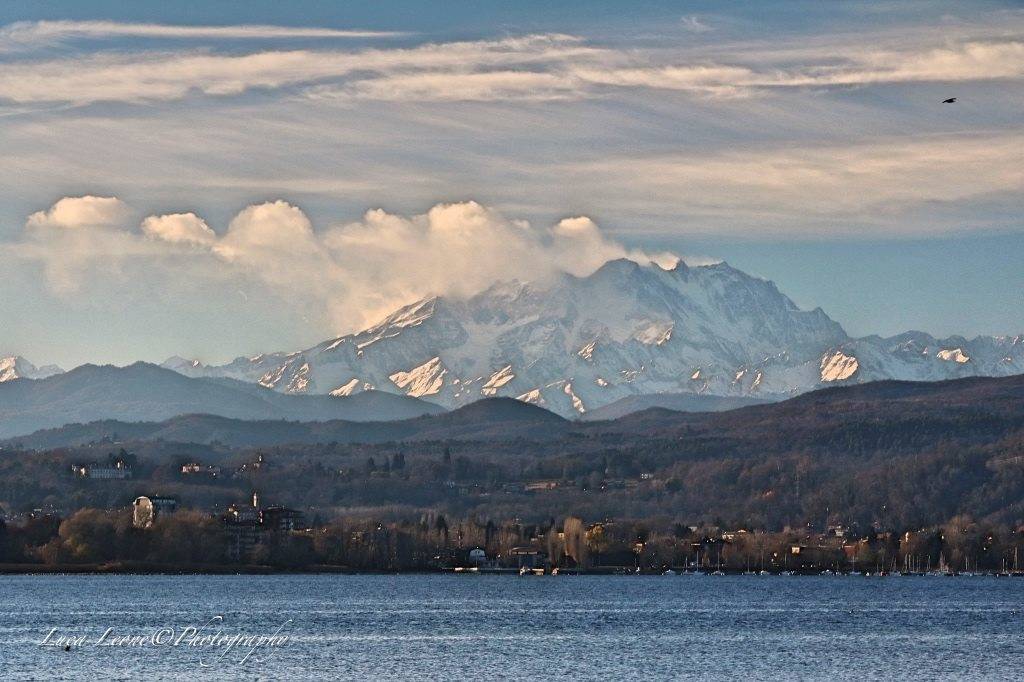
(894,453)
(869,418)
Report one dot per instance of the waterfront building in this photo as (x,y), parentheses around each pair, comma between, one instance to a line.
(148,508)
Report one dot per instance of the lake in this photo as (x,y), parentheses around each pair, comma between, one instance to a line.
(507,627)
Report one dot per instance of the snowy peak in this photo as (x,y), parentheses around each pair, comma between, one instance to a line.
(16,367)
(412,315)
(574,344)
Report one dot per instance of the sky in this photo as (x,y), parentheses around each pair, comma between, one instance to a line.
(221,179)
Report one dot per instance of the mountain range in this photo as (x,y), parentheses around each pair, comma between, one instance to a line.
(578,345)
(581,343)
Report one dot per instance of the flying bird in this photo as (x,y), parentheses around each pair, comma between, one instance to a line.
(949,101)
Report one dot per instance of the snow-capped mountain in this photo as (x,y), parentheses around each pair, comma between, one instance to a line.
(627,329)
(17,367)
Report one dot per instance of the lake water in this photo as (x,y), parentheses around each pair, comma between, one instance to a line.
(507,627)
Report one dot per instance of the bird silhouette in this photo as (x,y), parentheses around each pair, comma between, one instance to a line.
(949,101)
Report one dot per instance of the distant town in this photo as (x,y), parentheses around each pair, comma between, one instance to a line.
(256,512)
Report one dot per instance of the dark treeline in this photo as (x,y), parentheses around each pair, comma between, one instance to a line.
(190,539)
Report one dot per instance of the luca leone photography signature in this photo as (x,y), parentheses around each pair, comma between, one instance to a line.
(213,643)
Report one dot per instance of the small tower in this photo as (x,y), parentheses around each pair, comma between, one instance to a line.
(255,500)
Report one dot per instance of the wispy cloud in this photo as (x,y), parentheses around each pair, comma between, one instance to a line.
(164,76)
(528,68)
(28,33)
(694,24)
(878,185)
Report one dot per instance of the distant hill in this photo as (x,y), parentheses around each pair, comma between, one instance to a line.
(883,416)
(490,419)
(144,392)
(678,402)
(880,416)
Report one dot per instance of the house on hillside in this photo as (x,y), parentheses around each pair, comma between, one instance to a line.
(198,469)
(110,472)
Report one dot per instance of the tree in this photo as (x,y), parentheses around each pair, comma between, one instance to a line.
(89,536)
(575,539)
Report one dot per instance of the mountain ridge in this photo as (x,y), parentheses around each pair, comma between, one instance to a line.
(884,414)
(582,343)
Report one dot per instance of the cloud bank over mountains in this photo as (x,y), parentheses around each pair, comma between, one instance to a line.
(354,272)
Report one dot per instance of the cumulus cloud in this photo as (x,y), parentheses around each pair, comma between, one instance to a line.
(179,228)
(352,272)
(79,212)
(275,228)
(460,249)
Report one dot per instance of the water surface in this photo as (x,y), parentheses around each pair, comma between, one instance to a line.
(507,627)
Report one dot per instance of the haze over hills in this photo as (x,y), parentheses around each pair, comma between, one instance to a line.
(490,419)
(879,415)
(581,343)
(143,392)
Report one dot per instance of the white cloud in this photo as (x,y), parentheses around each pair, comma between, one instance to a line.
(167,76)
(579,240)
(26,33)
(488,86)
(79,212)
(276,227)
(459,249)
(179,228)
(972,60)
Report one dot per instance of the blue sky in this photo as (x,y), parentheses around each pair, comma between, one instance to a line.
(194,178)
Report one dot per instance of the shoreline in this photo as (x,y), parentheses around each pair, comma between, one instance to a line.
(149,568)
